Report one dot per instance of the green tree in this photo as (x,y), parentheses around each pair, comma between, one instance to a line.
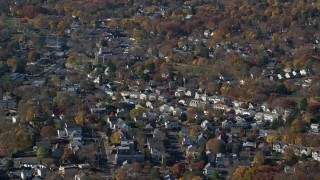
(137,112)
(183,117)
(42,152)
(112,67)
(155,174)
(9,164)
(179,79)
(303,104)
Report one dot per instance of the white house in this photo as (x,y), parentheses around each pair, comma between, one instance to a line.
(226,124)
(314,127)
(240,122)
(164,108)
(270,116)
(280,146)
(143,96)
(205,124)
(316,154)
(208,169)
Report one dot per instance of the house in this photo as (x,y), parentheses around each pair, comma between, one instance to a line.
(176,111)
(117,123)
(158,134)
(314,127)
(248,146)
(56,151)
(26,174)
(315,154)
(202,140)
(221,160)
(208,169)
(164,108)
(240,122)
(219,106)
(172,125)
(268,116)
(211,157)
(216,99)
(196,103)
(192,151)
(81,176)
(205,124)
(153,97)
(280,146)
(62,169)
(40,171)
(186,141)
(156,148)
(226,124)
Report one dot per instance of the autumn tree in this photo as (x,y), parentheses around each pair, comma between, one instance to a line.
(79,119)
(33,56)
(178,169)
(215,146)
(115,138)
(48,132)
(298,126)
(68,156)
(290,157)
(259,159)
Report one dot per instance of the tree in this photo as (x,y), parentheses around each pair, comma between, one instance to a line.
(179,79)
(48,132)
(115,138)
(303,104)
(112,67)
(215,146)
(137,112)
(290,157)
(9,164)
(298,126)
(68,156)
(79,119)
(178,169)
(183,117)
(33,56)
(42,152)
(155,174)
(121,174)
(259,159)
(16,65)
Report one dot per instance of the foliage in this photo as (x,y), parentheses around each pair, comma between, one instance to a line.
(255,172)
(215,146)
(9,164)
(79,119)
(259,159)
(42,152)
(115,138)
(137,112)
(155,174)
(183,117)
(48,132)
(178,169)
